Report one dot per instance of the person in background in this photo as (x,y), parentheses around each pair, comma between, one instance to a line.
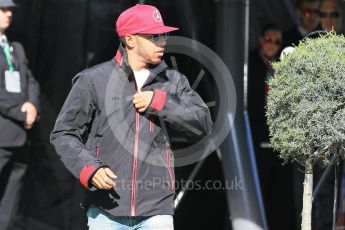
(19,104)
(308,19)
(307,12)
(330,19)
(269,166)
(260,69)
(331,15)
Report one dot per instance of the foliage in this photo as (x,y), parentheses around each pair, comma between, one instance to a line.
(306,101)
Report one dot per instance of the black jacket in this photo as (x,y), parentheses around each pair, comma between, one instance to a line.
(258,73)
(12,119)
(99,126)
(292,37)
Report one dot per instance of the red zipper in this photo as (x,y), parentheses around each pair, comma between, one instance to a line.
(152,127)
(135,163)
(169,169)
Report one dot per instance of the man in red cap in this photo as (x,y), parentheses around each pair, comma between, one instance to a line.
(19,102)
(111,132)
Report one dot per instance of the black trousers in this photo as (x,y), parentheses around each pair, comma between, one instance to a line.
(13,165)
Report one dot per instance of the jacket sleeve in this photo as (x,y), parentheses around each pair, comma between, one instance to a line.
(33,91)
(185,110)
(33,88)
(11,108)
(71,128)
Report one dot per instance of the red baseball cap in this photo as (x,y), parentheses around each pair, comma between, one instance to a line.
(143,19)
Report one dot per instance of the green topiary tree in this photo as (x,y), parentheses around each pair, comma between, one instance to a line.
(306,107)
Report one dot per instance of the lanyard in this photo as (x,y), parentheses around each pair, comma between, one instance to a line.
(7,51)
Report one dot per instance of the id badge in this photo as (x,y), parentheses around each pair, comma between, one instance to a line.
(12,81)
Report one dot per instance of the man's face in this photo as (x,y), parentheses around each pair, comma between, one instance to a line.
(271,42)
(330,16)
(149,48)
(5,18)
(309,15)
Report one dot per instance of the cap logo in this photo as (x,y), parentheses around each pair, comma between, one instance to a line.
(157,16)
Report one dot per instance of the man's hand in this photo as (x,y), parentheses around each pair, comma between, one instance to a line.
(142,100)
(31,114)
(104,178)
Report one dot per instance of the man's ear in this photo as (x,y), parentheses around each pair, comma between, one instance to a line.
(130,40)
